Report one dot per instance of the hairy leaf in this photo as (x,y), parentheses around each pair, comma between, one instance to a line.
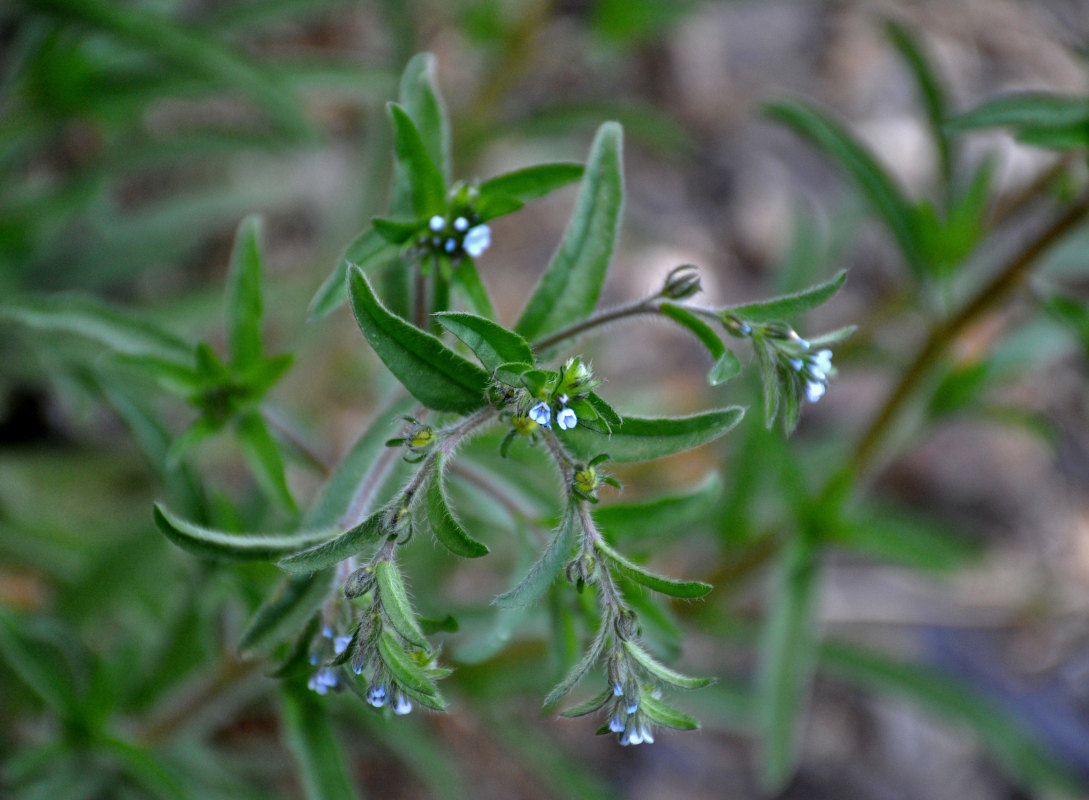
(444,524)
(369,251)
(396,605)
(244,295)
(493,344)
(662,672)
(659,583)
(434,374)
(788,306)
(532,182)
(234,546)
(726,366)
(547,567)
(427,189)
(339,548)
(639,439)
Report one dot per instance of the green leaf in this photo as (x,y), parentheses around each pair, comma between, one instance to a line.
(639,439)
(873,181)
(548,566)
(234,546)
(121,332)
(445,625)
(662,517)
(434,374)
(1025,110)
(493,344)
(904,537)
(532,182)
(933,96)
(309,736)
(663,714)
(659,583)
(726,366)
(39,666)
(336,498)
(960,703)
(578,671)
(427,189)
(786,658)
(395,603)
(284,612)
(369,251)
(331,551)
(467,280)
(244,295)
(264,459)
(786,307)
(444,524)
(769,378)
(590,706)
(662,672)
(405,669)
(397,231)
(419,96)
(569,289)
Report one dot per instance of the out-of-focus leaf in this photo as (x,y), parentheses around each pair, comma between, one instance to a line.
(285,611)
(786,659)
(369,251)
(39,666)
(244,295)
(311,740)
(434,374)
(569,289)
(264,458)
(340,491)
(235,546)
(875,183)
(662,517)
(639,439)
(903,537)
(1026,111)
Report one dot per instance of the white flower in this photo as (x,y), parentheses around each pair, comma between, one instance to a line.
(340,644)
(376,696)
(541,414)
(616,725)
(632,708)
(646,734)
(814,391)
(796,364)
(823,362)
(436,223)
(402,706)
(566,419)
(477,240)
(461,224)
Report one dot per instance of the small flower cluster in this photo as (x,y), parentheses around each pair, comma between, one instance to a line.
(815,369)
(587,480)
(327,648)
(417,441)
(457,237)
(625,719)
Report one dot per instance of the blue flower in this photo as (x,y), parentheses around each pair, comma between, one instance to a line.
(541,414)
(566,419)
(376,695)
(461,224)
(436,223)
(322,681)
(340,644)
(451,245)
(477,240)
(814,391)
(616,724)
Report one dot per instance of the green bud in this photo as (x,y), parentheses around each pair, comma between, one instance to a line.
(681,282)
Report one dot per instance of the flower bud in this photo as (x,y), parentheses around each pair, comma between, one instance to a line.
(681,282)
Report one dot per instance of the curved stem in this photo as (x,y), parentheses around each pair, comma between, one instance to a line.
(647,306)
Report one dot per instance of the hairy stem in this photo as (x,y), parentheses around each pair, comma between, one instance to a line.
(647,306)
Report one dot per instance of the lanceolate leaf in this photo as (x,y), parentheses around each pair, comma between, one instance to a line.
(396,604)
(639,439)
(336,549)
(309,735)
(660,517)
(662,672)
(545,569)
(726,365)
(875,183)
(434,374)
(786,307)
(662,714)
(427,188)
(244,295)
(570,286)
(286,611)
(444,524)
(659,583)
(787,656)
(263,456)
(234,546)
(420,97)
(405,669)
(532,182)
(579,669)
(1025,110)
(369,251)
(492,343)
